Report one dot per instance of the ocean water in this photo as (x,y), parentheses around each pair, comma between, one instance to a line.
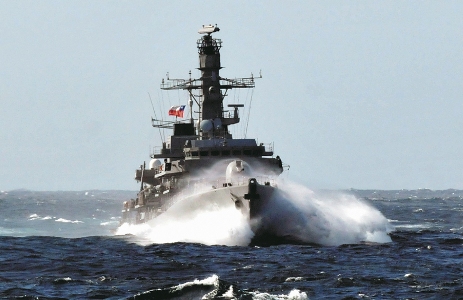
(354,244)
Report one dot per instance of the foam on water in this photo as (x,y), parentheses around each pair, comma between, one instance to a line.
(212,287)
(68,221)
(293,295)
(37,217)
(225,226)
(413,226)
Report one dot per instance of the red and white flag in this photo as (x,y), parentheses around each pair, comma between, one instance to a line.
(177,111)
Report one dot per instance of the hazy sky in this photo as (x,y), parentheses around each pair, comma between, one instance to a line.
(354,94)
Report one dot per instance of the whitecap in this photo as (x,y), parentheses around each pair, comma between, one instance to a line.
(412,226)
(62,280)
(229,294)
(33,216)
(108,223)
(293,295)
(67,221)
(37,217)
(212,281)
(290,279)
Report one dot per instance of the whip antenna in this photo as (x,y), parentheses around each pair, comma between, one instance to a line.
(154,111)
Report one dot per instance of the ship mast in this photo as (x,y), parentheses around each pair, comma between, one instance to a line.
(209,64)
(212,122)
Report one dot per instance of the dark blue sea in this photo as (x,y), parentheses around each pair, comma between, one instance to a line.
(353,244)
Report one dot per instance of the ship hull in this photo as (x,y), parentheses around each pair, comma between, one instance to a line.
(249,199)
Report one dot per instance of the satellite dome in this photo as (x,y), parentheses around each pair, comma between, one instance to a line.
(206,125)
(154,163)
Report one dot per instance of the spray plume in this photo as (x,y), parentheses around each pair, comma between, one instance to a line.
(294,212)
(326,218)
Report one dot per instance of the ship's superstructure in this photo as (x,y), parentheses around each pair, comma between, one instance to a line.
(201,164)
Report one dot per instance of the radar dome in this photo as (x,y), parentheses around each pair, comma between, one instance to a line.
(154,163)
(206,125)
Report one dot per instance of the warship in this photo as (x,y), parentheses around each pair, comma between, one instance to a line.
(201,166)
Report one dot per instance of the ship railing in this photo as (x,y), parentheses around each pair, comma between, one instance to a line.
(225,83)
(237,83)
(244,180)
(181,84)
(204,43)
(157,150)
(167,124)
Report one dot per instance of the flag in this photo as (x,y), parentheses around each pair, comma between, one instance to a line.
(177,111)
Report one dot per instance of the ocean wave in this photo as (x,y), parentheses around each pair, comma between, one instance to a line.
(34,217)
(108,223)
(37,217)
(412,226)
(68,221)
(214,288)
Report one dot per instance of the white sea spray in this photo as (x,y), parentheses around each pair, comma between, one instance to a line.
(327,218)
